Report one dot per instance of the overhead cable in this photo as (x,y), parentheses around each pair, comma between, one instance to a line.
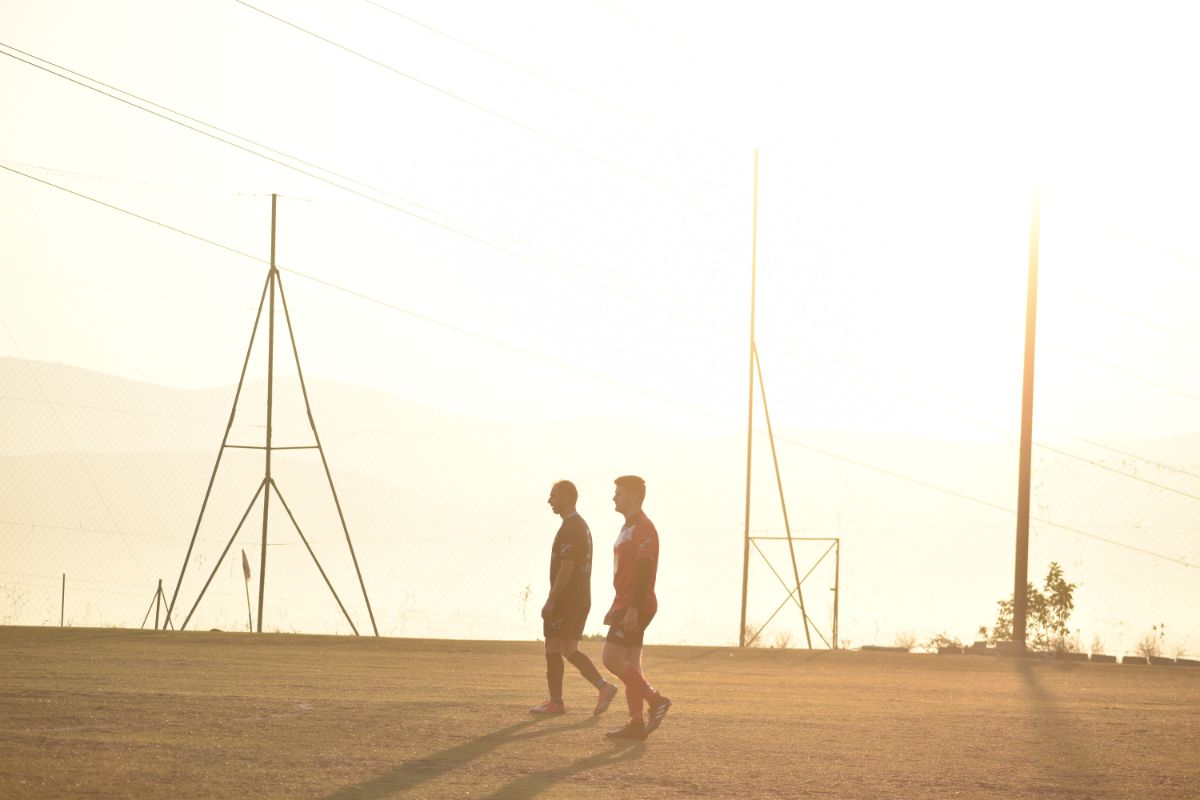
(358,54)
(501,59)
(625,386)
(538,262)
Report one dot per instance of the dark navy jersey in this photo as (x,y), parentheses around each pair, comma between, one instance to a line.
(573,543)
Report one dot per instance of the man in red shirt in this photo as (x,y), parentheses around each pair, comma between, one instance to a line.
(635,566)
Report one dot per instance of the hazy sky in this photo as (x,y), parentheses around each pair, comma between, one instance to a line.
(571,187)
(544,210)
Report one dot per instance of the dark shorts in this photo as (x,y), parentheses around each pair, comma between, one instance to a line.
(566,623)
(617,635)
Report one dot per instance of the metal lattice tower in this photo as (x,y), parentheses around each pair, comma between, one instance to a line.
(268,486)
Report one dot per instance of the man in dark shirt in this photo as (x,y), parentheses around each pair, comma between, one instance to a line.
(566,609)
(635,567)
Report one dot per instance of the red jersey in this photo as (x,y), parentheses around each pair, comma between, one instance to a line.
(637,541)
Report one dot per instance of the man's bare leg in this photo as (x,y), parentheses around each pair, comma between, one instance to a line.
(554,676)
(571,652)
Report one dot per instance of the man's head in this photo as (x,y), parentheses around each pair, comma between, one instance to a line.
(631,491)
(563,497)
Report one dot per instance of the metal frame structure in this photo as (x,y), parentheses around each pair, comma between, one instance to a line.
(156,605)
(268,485)
(795,592)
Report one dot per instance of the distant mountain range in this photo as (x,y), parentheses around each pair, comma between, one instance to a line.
(102,478)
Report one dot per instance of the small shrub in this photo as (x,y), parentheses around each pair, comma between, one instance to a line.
(1153,644)
(940,640)
(906,639)
(523,597)
(1046,617)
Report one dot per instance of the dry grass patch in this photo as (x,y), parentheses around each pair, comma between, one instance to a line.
(115,713)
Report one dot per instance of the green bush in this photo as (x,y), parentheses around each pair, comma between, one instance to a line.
(1046,618)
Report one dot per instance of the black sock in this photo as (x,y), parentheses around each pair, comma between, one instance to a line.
(587,669)
(554,675)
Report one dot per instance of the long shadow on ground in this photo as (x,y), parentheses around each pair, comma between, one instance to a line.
(417,771)
(1061,747)
(535,784)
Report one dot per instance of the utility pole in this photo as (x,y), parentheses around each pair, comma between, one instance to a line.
(750,410)
(1021,572)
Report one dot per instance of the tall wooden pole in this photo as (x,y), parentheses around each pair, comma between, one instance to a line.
(262,565)
(837,580)
(750,407)
(1021,573)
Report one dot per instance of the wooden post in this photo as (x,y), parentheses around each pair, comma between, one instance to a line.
(1021,571)
(750,408)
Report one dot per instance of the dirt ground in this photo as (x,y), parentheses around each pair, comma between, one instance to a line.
(110,713)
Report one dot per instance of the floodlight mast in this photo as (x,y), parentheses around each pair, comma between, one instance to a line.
(1021,569)
(795,589)
(268,484)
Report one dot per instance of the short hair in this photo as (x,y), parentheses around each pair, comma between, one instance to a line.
(632,484)
(569,492)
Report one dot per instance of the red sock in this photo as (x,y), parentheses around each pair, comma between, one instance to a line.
(636,690)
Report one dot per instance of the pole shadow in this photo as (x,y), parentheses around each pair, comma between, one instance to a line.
(535,784)
(417,771)
(1062,747)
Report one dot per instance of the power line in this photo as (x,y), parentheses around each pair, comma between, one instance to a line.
(380,302)
(994,427)
(134,214)
(104,178)
(1163,249)
(1127,454)
(74,528)
(235,135)
(623,13)
(626,296)
(552,81)
(627,387)
(1129,372)
(1150,323)
(426,84)
(979,501)
(250,141)
(186,302)
(243,148)
(110,409)
(1122,473)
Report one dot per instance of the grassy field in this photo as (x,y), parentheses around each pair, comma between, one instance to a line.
(116,713)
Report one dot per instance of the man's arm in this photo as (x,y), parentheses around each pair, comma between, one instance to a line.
(641,583)
(561,581)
